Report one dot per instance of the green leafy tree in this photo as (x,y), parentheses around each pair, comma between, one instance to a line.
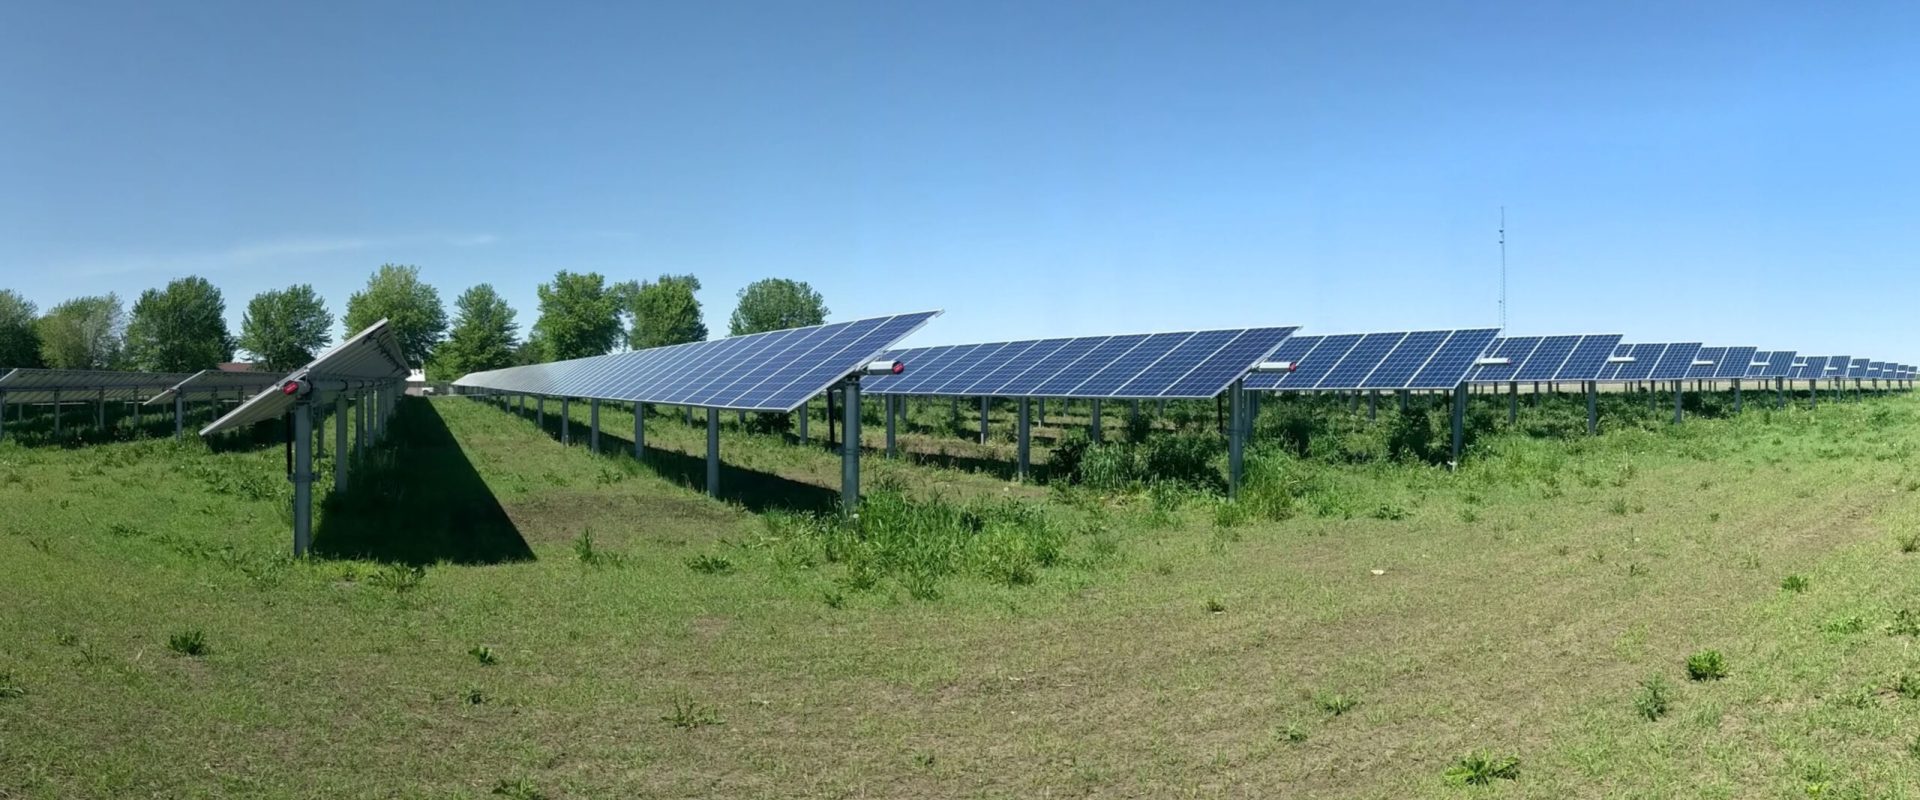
(182,328)
(776,304)
(664,312)
(84,333)
(395,293)
(484,336)
(579,316)
(19,339)
(285,328)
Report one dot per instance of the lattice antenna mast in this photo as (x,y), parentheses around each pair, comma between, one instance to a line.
(1503,267)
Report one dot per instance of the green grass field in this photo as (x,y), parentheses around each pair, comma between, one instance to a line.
(491,613)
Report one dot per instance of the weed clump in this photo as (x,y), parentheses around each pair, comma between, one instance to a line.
(518,789)
(10,688)
(1654,699)
(710,565)
(1906,622)
(191,643)
(1335,703)
(401,578)
(1480,769)
(1706,665)
(920,544)
(593,556)
(1795,583)
(688,715)
(1214,606)
(484,655)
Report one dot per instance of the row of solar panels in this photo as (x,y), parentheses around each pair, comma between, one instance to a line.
(77,385)
(780,370)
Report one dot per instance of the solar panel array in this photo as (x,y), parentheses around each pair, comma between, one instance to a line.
(1189,364)
(1390,361)
(1655,362)
(218,381)
(773,371)
(44,385)
(1546,358)
(372,356)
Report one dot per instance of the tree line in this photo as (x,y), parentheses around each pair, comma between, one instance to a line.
(183,327)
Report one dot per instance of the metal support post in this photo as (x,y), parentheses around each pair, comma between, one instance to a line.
(593,426)
(713,452)
(850,452)
(953,411)
(1679,401)
(100,412)
(302,477)
(56,414)
(1593,408)
(888,401)
(1736,395)
(1133,413)
(1024,432)
(983,420)
(640,431)
(806,412)
(566,420)
(1513,402)
(1043,411)
(1236,435)
(340,443)
(179,415)
(1403,401)
(1093,427)
(1373,404)
(360,426)
(1459,423)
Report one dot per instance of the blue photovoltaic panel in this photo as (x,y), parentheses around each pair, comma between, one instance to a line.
(1734,363)
(1547,359)
(1706,363)
(1189,364)
(1589,358)
(1515,350)
(1837,366)
(1400,360)
(1771,364)
(773,371)
(1857,368)
(1876,369)
(1676,362)
(1310,367)
(1644,357)
(1808,368)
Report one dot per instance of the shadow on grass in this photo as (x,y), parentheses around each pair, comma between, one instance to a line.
(418,500)
(754,490)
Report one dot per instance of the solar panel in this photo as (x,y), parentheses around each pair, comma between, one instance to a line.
(43,385)
(1857,368)
(1876,369)
(372,356)
(1706,363)
(1809,368)
(215,381)
(1837,366)
(1734,363)
(1676,362)
(1188,364)
(1546,358)
(1437,359)
(774,371)
(1771,364)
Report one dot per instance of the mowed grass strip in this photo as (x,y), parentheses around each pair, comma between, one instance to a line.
(1397,622)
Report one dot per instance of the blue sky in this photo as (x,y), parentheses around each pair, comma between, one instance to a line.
(1741,173)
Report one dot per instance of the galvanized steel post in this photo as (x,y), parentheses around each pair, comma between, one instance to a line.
(593,425)
(340,442)
(302,477)
(850,447)
(639,431)
(1236,435)
(1024,432)
(713,452)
